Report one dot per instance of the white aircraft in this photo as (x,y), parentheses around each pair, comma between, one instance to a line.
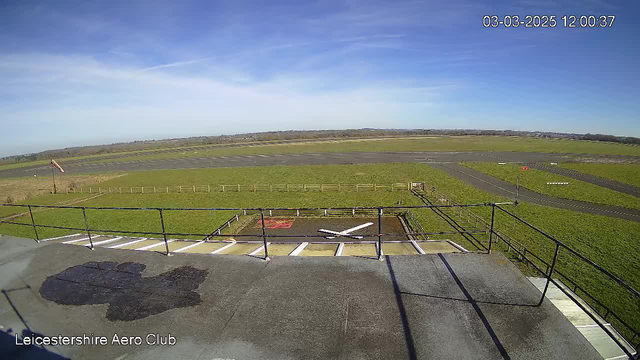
(345,232)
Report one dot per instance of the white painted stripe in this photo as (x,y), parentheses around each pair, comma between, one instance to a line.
(223,248)
(258,249)
(623,356)
(590,325)
(339,250)
(127,243)
(457,246)
(76,240)
(188,247)
(154,245)
(299,249)
(105,241)
(60,237)
(415,245)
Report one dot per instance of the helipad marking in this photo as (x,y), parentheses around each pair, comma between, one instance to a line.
(415,245)
(258,249)
(223,248)
(345,232)
(457,246)
(154,245)
(188,246)
(127,243)
(77,240)
(60,237)
(105,241)
(299,249)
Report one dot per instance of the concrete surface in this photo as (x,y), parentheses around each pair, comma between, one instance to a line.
(462,306)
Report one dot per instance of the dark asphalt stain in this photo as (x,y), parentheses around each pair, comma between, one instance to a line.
(129,295)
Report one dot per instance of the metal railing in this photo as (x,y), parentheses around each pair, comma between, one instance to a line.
(551,269)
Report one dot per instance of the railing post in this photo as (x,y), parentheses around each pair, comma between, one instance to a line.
(35,229)
(553,266)
(493,215)
(86,226)
(264,236)
(164,233)
(379,233)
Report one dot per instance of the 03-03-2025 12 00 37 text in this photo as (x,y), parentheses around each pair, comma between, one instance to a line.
(548,21)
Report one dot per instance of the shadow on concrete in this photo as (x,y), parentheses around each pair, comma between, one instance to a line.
(403,313)
(466,300)
(481,315)
(8,339)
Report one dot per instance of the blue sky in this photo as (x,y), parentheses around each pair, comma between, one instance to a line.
(85,72)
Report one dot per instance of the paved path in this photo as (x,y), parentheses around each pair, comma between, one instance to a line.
(466,306)
(502,188)
(593,179)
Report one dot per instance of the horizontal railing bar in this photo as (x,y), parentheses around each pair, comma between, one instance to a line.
(258,209)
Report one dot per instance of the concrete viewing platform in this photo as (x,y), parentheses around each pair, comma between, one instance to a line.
(431,306)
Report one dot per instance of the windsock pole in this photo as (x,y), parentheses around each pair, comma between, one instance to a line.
(54,164)
(53,176)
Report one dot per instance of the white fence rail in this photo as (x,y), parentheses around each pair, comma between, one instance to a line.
(176,189)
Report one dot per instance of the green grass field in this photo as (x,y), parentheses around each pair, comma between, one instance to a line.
(624,173)
(445,143)
(536,180)
(610,242)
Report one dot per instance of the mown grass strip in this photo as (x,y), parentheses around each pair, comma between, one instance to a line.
(624,173)
(538,181)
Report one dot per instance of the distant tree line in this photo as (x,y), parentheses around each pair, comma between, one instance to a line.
(297,135)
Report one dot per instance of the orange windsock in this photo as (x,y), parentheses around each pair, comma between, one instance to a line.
(55,165)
